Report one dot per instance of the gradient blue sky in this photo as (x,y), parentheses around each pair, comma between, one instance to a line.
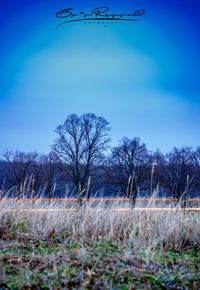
(142,77)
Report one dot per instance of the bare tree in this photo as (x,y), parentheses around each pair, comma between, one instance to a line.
(157,166)
(129,166)
(81,145)
(18,166)
(197,168)
(176,172)
(49,165)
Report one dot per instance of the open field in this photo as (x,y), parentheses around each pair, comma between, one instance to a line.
(97,247)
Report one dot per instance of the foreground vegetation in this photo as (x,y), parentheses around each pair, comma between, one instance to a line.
(42,247)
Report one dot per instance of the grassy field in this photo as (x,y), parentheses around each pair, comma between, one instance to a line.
(97,248)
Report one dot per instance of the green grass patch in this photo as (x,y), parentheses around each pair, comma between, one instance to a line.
(103,265)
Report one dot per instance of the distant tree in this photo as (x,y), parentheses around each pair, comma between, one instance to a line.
(176,172)
(129,166)
(81,145)
(49,165)
(17,167)
(197,168)
(156,170)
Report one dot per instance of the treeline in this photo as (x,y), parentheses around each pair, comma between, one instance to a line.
(82,163)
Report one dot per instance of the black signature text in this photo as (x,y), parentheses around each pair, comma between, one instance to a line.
(100,13)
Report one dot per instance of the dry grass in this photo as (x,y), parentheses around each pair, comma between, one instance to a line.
(92,222)
(96,247)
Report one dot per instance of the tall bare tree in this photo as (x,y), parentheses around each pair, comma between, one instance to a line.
(129,166)
(81,145)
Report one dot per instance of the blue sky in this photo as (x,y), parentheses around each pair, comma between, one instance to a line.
(143,77)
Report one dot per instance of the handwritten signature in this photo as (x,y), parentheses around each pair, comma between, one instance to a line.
(100,13)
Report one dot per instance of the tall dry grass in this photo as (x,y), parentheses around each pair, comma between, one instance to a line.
(136,229)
